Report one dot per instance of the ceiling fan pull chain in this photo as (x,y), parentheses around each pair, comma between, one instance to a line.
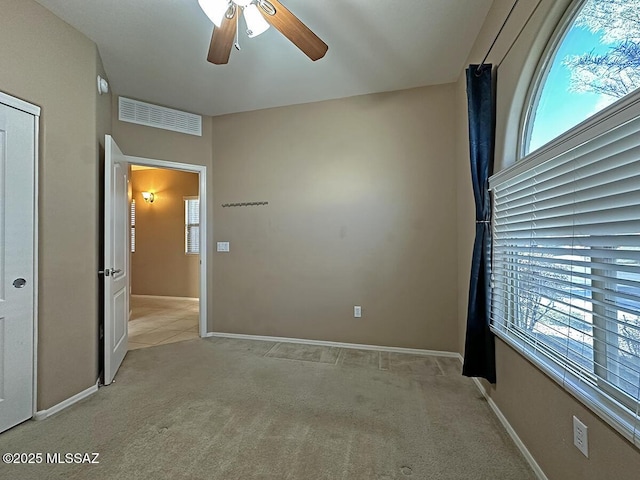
(237,44)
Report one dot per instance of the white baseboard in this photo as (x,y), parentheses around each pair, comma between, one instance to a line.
(42,414)
(160,297)
(325,343)
(512,433)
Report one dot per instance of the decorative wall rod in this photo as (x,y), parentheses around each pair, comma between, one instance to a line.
(244,204)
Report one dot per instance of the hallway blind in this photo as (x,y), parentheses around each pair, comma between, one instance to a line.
(566,270)
(192,224)
(133,226)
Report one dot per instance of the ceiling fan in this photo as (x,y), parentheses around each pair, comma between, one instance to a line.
(258,15)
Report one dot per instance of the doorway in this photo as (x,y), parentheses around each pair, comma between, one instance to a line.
(168,225)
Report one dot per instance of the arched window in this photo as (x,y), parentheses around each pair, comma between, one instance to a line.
(594,61)
(566,229)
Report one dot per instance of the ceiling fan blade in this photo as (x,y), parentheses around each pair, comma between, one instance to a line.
(292,28)
(222,40)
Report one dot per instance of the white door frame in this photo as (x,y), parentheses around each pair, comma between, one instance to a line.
(35,111)
(201,170)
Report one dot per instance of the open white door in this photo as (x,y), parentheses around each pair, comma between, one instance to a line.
(116,259)
(17,265)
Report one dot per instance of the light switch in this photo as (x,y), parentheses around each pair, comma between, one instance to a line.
(223,246)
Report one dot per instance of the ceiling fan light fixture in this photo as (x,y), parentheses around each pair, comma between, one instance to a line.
(256,24)
(215,10)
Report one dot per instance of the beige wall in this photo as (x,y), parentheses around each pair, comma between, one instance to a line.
(160,265)
(361,211)
(48,63)
(539,410)
(347,182)
(378,140)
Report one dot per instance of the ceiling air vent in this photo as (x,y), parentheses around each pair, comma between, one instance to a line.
(142,113)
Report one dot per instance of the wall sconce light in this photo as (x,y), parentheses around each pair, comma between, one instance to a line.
(148,197)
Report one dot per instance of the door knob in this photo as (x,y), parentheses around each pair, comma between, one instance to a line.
(19,282)
(109,271)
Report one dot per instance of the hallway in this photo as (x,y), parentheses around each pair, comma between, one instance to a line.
(161,320)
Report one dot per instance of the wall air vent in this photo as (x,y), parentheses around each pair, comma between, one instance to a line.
(142,113)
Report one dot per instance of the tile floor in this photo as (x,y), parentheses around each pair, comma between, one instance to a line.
(157,320)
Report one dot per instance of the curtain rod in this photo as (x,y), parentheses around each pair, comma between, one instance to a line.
(478,70)
(520,32)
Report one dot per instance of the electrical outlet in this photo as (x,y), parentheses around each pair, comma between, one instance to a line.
(580,436)
(357,311)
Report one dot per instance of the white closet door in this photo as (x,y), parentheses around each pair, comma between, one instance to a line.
(17,273)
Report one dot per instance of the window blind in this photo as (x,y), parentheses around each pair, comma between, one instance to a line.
(133,226)
(192,225)
(566,270)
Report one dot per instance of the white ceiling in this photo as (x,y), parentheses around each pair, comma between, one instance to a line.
(155,50)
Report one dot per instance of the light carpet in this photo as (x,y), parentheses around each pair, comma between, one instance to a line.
(240,409)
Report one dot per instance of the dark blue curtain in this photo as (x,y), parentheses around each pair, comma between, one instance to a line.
(479,350)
